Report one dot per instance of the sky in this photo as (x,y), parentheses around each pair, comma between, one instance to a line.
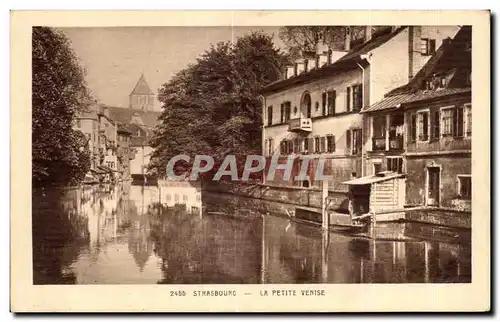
(114,58)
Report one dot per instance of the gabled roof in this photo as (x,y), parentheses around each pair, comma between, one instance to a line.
(448,57)
(142,87)
(124,115)
(346,62)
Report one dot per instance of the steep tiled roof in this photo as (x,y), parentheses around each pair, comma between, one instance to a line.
(449,56)
(347,62)
(142,87)
(124,115)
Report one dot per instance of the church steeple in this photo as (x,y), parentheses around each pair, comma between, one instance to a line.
(142,97)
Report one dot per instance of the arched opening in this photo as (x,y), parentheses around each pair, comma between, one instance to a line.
(305,105)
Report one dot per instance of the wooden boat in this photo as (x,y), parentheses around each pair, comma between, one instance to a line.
(337,220)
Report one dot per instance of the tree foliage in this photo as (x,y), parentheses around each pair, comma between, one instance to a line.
(212,107)
(306,38)
(58,93)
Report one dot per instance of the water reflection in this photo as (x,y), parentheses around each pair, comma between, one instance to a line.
(135,234)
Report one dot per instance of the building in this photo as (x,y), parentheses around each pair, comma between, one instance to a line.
(88,123)
(124,153)
(140,118)
(424,129)
(315,109)
(107,144)
(142,97)
(140,124)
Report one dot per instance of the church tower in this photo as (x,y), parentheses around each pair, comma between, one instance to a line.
(142,97)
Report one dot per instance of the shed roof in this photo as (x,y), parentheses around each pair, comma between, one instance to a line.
(374,178)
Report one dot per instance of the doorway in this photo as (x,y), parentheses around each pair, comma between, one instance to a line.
(433,186)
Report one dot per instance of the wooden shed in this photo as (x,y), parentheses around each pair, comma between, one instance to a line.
(382,194)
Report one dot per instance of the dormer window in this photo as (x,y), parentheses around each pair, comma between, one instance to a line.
(427,46)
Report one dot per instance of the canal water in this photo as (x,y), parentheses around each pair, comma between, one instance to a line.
(127,234)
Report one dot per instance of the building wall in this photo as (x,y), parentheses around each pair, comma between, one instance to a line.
(141,159)
(389,66)
(451,166)
(337,82)
(341,164)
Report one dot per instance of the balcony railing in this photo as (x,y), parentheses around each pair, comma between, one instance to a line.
(396,143)
(378,144)
(300,124)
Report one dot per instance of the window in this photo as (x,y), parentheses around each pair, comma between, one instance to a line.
(377,167)
(330,143)
(296,146)
(323,104)
(353,141)
(271,146)
(287,112)
(356,141)
(284,147)
(269,115)
(316,144)
(306,146)
(395,165)
(423,125)
(357,97)
(176,197)
(468,119)
(184,198)
(435,125)
(459,121)
(332,97)
(454,121)
(348,99)
(322,144)
(428,46)
(316,106)
(78,123)
(447,122)
(464,186)
(290,146)
(379,126)
(413,128)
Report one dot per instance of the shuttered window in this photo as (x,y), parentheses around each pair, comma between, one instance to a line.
(330,142)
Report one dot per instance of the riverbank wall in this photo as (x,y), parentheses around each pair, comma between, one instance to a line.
(308,197)
(311,197)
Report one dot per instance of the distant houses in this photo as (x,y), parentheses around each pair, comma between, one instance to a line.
(119,136)
(396,101)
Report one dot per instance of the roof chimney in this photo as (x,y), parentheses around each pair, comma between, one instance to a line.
(347,40)
(368,33)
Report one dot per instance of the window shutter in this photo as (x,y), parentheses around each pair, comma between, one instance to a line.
(333,143)
(348,99)
(432,46)
(322,144)
(310,145)
(323,103)
(435,125)
(348,141)
(282,113)
(460,121)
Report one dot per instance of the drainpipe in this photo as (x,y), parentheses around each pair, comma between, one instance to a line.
(263,100)
(362,122)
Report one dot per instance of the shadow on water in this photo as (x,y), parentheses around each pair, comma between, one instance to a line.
(177,235)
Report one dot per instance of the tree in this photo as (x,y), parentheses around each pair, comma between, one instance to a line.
(212,107)
(306,38)
(59,91)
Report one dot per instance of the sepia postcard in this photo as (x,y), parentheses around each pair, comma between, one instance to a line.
(250,161)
